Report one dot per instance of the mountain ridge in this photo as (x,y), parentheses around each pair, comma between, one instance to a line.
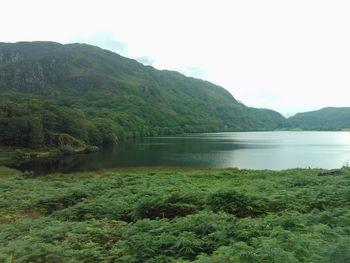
(88,95)
(140,100)
(327,118)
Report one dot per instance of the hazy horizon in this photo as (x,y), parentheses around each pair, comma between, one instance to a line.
(287,56)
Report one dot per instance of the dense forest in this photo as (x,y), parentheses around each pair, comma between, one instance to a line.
(34,123)
(325,119)
(54,94)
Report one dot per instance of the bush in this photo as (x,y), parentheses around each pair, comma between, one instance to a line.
(19,155)
(170,206)
(51,204)
(91,149)
(67,150)
(240,205)
(100,208)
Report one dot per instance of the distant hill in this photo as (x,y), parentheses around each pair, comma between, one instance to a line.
(95,83)
(330,118)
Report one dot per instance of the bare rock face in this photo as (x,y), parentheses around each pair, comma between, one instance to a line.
(23,68)
(24,77)
(15,57)
(10,57)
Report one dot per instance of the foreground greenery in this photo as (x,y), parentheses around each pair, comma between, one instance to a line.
(176,215)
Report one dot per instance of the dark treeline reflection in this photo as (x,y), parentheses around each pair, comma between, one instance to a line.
(196,151)
(254,150)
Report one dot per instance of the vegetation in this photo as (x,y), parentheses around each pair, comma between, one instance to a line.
(64,95)
(34,124)
(176,215)
(324,119)
(67,97)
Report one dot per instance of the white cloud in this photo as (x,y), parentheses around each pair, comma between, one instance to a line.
(105,40)
(285,55)
(145,60)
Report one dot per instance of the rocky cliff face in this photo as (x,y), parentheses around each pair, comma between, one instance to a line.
(26,69)
(27,77)
(10,57)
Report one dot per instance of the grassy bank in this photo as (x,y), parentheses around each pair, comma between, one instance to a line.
(175,215)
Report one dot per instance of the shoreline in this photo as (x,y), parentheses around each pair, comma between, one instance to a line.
(12,155)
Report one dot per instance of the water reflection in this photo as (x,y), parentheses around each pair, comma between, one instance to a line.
(254,150)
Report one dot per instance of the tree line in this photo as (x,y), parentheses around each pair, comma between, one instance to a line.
(34,123)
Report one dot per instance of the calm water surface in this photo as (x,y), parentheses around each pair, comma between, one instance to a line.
(253,150)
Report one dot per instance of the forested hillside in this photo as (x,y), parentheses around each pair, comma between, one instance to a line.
(34,123)
(324,119)
(90,95)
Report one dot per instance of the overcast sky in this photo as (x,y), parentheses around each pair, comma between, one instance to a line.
(289,56)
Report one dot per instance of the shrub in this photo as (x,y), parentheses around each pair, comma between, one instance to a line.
(232,202)
(51,204)
(170,206)
(19,155)
(67,150)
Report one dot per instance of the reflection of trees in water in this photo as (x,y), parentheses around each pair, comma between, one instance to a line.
(200,151)
(48,165)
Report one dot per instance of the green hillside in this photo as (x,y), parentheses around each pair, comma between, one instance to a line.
(90,95)
(324,119)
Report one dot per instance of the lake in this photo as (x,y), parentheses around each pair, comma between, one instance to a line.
(252,150)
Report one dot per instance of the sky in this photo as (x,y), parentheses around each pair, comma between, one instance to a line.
(286,55)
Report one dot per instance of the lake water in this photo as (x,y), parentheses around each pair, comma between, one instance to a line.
(252,150)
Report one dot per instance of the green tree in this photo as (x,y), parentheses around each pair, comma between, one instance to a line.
(107,129)
(36,133)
